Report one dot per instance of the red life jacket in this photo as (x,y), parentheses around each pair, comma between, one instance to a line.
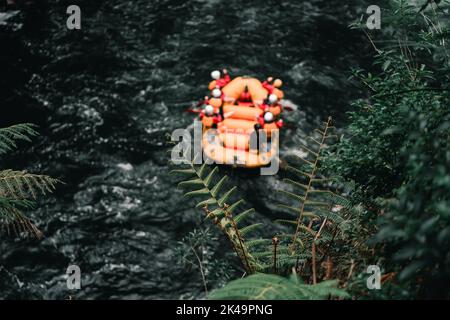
(245,97)
(217,118)
(205,101)
(264,106)
(222,82)
(269,87)
(261,121)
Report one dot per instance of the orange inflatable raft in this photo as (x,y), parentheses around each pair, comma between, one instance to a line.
(242,138)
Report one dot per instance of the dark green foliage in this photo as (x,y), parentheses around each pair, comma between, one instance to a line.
(272,287)
(210,187)
(396,150)
(11,135)
(389,201)
(320,219)
(197,250)
(18,187)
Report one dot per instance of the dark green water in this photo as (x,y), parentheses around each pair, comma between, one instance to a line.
(105,98)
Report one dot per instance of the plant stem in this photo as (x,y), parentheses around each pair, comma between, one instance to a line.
(275,242)
(310,180)
(200,264)
(241,243)
(313,253)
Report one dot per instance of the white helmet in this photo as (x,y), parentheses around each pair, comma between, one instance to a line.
(209,110)
(268,117)
(217,93)
(215,74)
(273,98)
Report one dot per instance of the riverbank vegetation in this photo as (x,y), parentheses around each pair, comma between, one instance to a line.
(376,192)
(20,189)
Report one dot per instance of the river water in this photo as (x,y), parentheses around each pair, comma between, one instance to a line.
(106,97)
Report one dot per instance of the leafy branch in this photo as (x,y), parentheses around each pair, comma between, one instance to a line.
(9,136)
(207,184)
(273,287)
(311,174)
(18,187)
(317,223)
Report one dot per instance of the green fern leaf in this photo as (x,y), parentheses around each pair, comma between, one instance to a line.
(210,176)
(233,207)
(193,182)
(295,183)
(272,287)
(206,202)
(258,242)
(21,184)
(202,170)
(243,215)
(226,196)
(249,228)
(297,211)
(11,135)
(215,191)
(293,195)
(12,220)
(200,192)
(217,213)
(185,172)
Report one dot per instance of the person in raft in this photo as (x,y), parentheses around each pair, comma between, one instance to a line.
(217,93)
(218,99)
(245,96)
(203,102)
(268,85)
(218,80)
(269,102)
(209,118)
(272,86)
(267,121)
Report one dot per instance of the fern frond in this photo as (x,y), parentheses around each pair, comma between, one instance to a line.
(297,211)
(193,182)
(232,208)
(307,199)
(250,228)
(13,221)
(330,215)
(210,176)
(243,215)
(309,150)
(272,287)
(316,203)
(226,196)
(199,192)
(258,242)
(216,214)
(293,195)
(288,222)
(11,135)
(187,172)
(220,213)
(206,202)
(18,186)
(296,184)
(21,184)
(215,191)
(299,172)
